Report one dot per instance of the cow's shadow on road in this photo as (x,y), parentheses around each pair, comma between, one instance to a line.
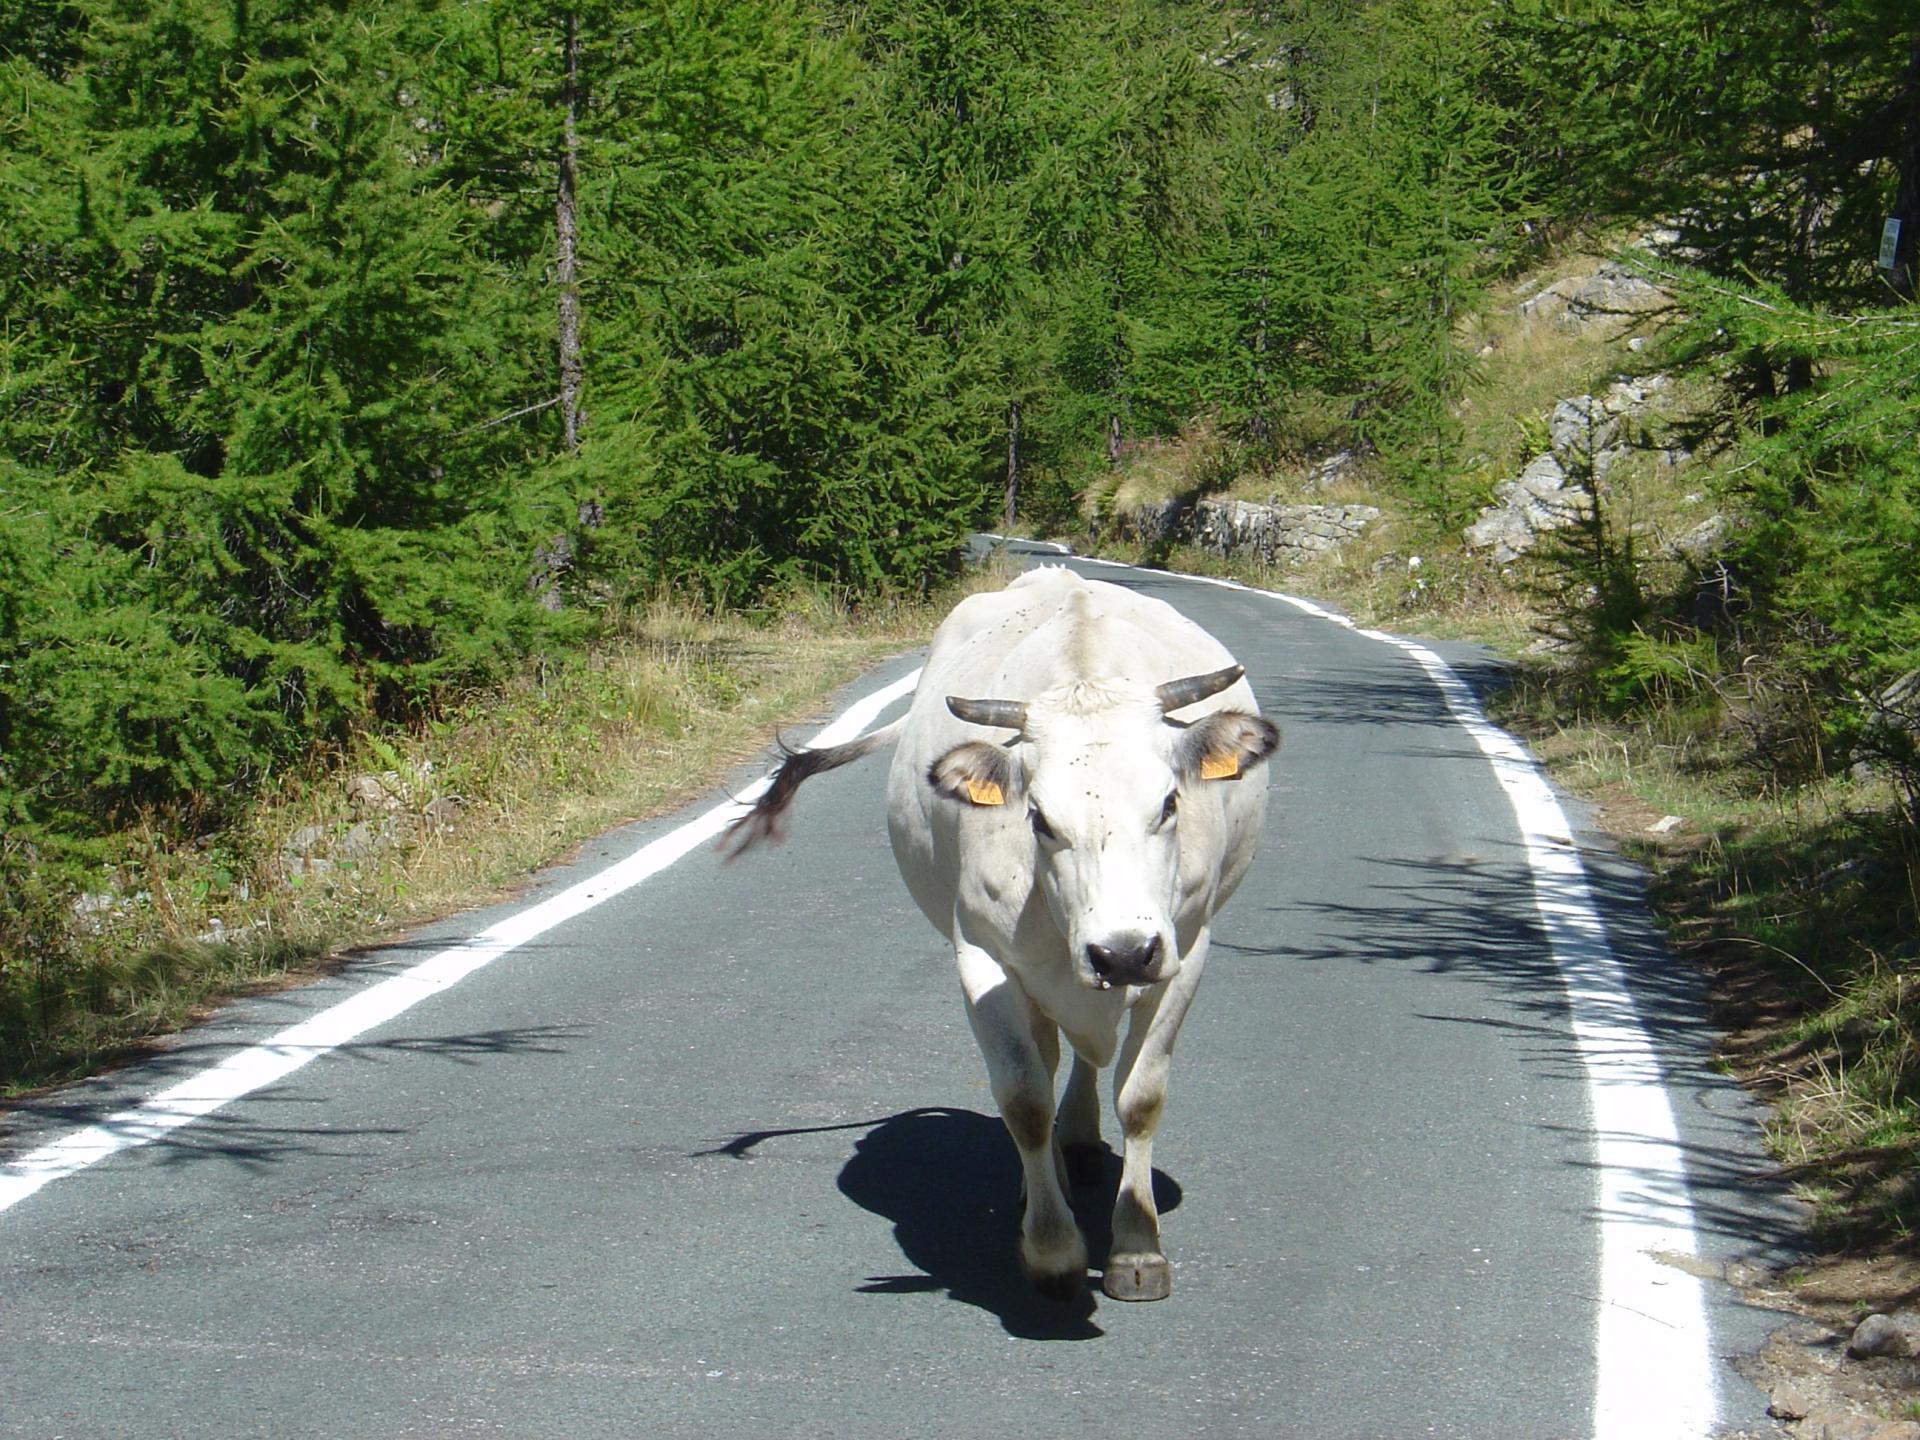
(949,1181)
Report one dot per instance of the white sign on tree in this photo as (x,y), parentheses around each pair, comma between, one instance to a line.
(1889,242)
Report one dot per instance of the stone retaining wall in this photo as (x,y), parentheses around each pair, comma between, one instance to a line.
(1284,535)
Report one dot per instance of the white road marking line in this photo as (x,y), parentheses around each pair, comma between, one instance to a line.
(1654,1360)
(258,1066)
(1656,1372)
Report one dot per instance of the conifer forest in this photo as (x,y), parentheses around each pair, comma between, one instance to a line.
(352,352)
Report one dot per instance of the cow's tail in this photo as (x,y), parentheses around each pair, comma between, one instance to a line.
(767,820)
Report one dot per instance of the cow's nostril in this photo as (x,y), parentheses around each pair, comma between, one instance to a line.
(1124,964)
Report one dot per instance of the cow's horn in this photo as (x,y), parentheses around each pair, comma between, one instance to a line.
(1008,714)
(1178,694)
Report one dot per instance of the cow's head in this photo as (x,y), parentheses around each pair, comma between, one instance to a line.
(1100,772)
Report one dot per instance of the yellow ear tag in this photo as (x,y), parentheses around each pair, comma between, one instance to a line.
(1220,765)
(985,792)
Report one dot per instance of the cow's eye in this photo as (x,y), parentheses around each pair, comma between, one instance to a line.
(1167,810)
(1040,825)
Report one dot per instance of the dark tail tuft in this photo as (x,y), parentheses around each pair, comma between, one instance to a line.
(767,820)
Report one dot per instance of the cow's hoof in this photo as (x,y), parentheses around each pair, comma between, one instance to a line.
(1058,1270)
(1138,1277)
(1057,1285)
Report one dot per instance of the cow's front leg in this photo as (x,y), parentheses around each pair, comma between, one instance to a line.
(1136,1267)
(1052,1252)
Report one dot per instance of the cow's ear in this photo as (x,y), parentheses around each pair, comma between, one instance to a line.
(979,773)
(1225,745)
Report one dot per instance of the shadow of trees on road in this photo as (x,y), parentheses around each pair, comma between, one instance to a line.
(244,1134)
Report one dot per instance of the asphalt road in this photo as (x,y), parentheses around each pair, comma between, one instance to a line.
(715,1156)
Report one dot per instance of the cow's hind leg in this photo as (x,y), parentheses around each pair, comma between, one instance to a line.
(1136,1267)
(1052,1252)
(1077,1124)
(1046,1035)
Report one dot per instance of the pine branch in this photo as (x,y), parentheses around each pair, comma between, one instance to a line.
(503,419)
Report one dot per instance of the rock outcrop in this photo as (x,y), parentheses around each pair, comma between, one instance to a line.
(1612,297)
(1538,501)
(1587,437)
(1283,535)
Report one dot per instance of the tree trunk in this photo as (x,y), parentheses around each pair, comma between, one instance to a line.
(565,243)
(1258,428)
(1013,465)
(555,558)
(1906,199)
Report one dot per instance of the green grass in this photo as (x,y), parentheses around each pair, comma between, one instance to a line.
(1822,911)
(1801,903)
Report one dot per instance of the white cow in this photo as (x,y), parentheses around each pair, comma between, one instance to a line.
(1066,805)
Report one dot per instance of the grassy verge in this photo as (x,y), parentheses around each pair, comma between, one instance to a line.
(403,826)
(1799,904)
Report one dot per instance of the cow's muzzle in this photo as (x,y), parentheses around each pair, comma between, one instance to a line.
(1129,960)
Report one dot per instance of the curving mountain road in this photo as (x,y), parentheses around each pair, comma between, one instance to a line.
(673,1148)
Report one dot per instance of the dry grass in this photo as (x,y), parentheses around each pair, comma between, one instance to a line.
(1525,366)
(1199,461)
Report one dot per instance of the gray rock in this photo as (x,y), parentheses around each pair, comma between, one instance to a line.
(1548,305)
(1544,478)
(1538,501)
(1704,541)
(368,838)
(1635,395)
(1885,1335)
(376,794)
(360,841)
(303,841)
(443,813)
(1611,297)
(1276,534)
(1154,523)
(1587,436)
(1332,470)
(1582,426)
(1899,703)
(1788,1402)
(93,911)
(1831,1423)
(1503,529)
